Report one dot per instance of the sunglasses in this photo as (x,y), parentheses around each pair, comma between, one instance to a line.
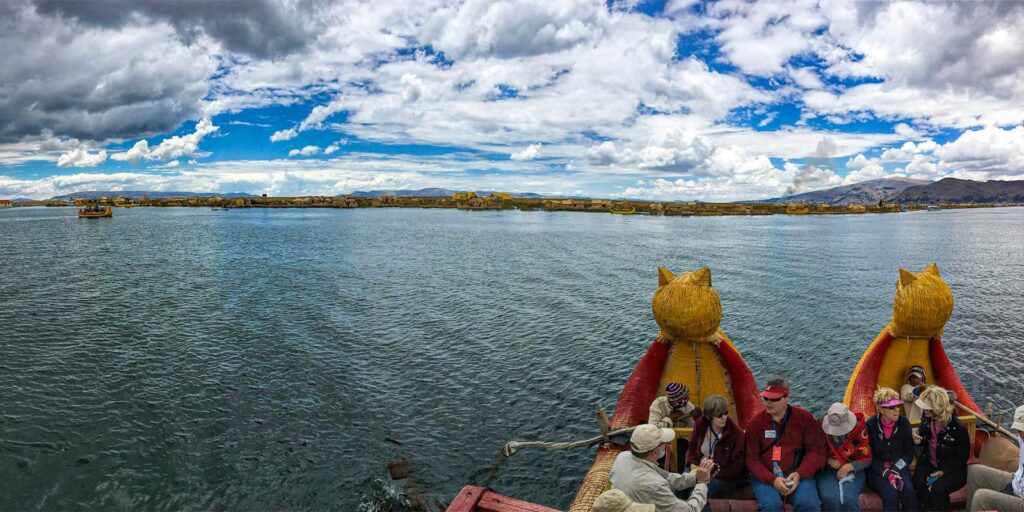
(889,407)
(766,399)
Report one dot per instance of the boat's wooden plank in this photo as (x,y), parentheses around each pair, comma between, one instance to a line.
(467,499)
(494,502)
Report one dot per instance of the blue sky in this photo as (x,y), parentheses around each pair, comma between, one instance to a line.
(665,100)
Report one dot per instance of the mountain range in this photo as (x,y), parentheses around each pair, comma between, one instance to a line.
(865,192)
(954,190)
(434,192)
(889,190)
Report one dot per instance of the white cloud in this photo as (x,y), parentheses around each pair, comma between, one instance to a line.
(80,157)
(863,169)
(283,135)
(991,150)
(306,151)
(529,153)
(171,148)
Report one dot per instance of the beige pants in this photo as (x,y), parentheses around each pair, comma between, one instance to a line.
(985,490)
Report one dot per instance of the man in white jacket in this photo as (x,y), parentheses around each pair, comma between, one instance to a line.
(636,473)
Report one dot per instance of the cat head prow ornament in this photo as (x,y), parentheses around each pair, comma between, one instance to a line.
(686,307)
(922,305)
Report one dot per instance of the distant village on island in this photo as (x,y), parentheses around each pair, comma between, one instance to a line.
(875,196)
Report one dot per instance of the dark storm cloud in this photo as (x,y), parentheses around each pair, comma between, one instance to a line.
(257,28)
(58,78)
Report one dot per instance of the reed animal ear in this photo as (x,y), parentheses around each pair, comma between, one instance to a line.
(665,276)
(906,277)
(932,269)
(703,277)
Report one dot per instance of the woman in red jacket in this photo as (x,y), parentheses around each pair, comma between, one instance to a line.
(716,436)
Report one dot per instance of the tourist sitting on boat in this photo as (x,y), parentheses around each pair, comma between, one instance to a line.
(785,448)
(992,489)
(892,451)
(674,409)
(636,473)
(716,436)
(849,455)
(617,501)
(944,449)
(911,391)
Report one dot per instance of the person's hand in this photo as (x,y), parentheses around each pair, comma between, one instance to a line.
(937,475)
(833,463)
(795,478)
(780,486)
(704,471)
(917,438)
(676,415)
(695,413)
(844,470)
(922,386)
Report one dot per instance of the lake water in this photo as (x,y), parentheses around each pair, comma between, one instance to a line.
(253,359)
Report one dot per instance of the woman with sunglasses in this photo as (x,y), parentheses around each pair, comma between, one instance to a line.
(716,436)
(892,450)
(945,447)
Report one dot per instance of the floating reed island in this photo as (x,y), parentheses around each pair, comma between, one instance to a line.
(503,201)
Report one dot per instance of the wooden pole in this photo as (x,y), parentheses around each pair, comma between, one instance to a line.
(986,421)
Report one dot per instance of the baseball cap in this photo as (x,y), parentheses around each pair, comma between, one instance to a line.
(648,437)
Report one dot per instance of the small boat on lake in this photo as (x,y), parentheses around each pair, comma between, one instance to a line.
(691,348)
(934,208)
(623,209)
(95,212)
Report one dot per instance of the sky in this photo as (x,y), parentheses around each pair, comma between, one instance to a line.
(660,100)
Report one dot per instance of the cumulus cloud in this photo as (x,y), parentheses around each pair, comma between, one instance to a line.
(80,157)
(171,148)
(529,153)
(283,135)
(306,151)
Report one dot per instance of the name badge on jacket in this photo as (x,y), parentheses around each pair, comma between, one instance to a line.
(769,434)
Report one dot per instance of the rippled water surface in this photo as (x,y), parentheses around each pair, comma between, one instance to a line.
(277,359)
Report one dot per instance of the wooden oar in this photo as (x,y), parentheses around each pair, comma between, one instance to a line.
(513,446)
(988,422)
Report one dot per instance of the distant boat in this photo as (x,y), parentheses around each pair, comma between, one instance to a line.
(219,208)
(623,209)
(95,212)
(934,208)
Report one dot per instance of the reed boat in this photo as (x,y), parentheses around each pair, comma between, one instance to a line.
(623,209)
(922,305)
(98,213)
(691,348)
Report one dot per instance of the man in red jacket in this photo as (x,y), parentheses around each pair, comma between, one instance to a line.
(785,448)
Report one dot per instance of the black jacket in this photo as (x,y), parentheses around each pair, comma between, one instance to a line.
(953,449)
(898,450)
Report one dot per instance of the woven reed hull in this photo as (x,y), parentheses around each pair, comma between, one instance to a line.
(723,372)
(886,362)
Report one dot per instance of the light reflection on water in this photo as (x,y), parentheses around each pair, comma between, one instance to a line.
(257,359)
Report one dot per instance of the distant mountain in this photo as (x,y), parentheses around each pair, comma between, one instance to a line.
(138,194)
(865,192)
(22,200)
(954,190)
(431,192)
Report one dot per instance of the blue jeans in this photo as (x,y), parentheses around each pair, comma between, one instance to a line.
(891,498)
(804,499)
(828,491)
